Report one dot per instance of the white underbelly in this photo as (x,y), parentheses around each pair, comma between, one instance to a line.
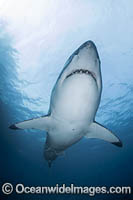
(76,99)
(63,133)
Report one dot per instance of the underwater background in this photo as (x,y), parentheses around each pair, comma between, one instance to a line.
(36,39)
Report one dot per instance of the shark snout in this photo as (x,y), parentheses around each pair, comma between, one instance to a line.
(89,44)
(90,49)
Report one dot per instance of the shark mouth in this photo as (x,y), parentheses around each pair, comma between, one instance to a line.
(82,71)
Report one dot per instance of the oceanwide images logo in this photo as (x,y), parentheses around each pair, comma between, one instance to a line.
(7,188)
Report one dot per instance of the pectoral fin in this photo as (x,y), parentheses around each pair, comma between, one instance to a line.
(41,123)
(98,131)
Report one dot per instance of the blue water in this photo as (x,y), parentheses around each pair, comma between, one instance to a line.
(35,42)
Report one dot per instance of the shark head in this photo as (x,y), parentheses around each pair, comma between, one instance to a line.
(85,60)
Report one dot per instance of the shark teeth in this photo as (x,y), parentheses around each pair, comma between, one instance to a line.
(82,71)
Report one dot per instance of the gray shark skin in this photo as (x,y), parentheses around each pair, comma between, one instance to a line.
(74,102)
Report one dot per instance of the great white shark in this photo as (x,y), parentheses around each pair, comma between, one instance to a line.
(74,102)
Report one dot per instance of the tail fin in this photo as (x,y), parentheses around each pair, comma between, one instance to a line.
(41,123)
